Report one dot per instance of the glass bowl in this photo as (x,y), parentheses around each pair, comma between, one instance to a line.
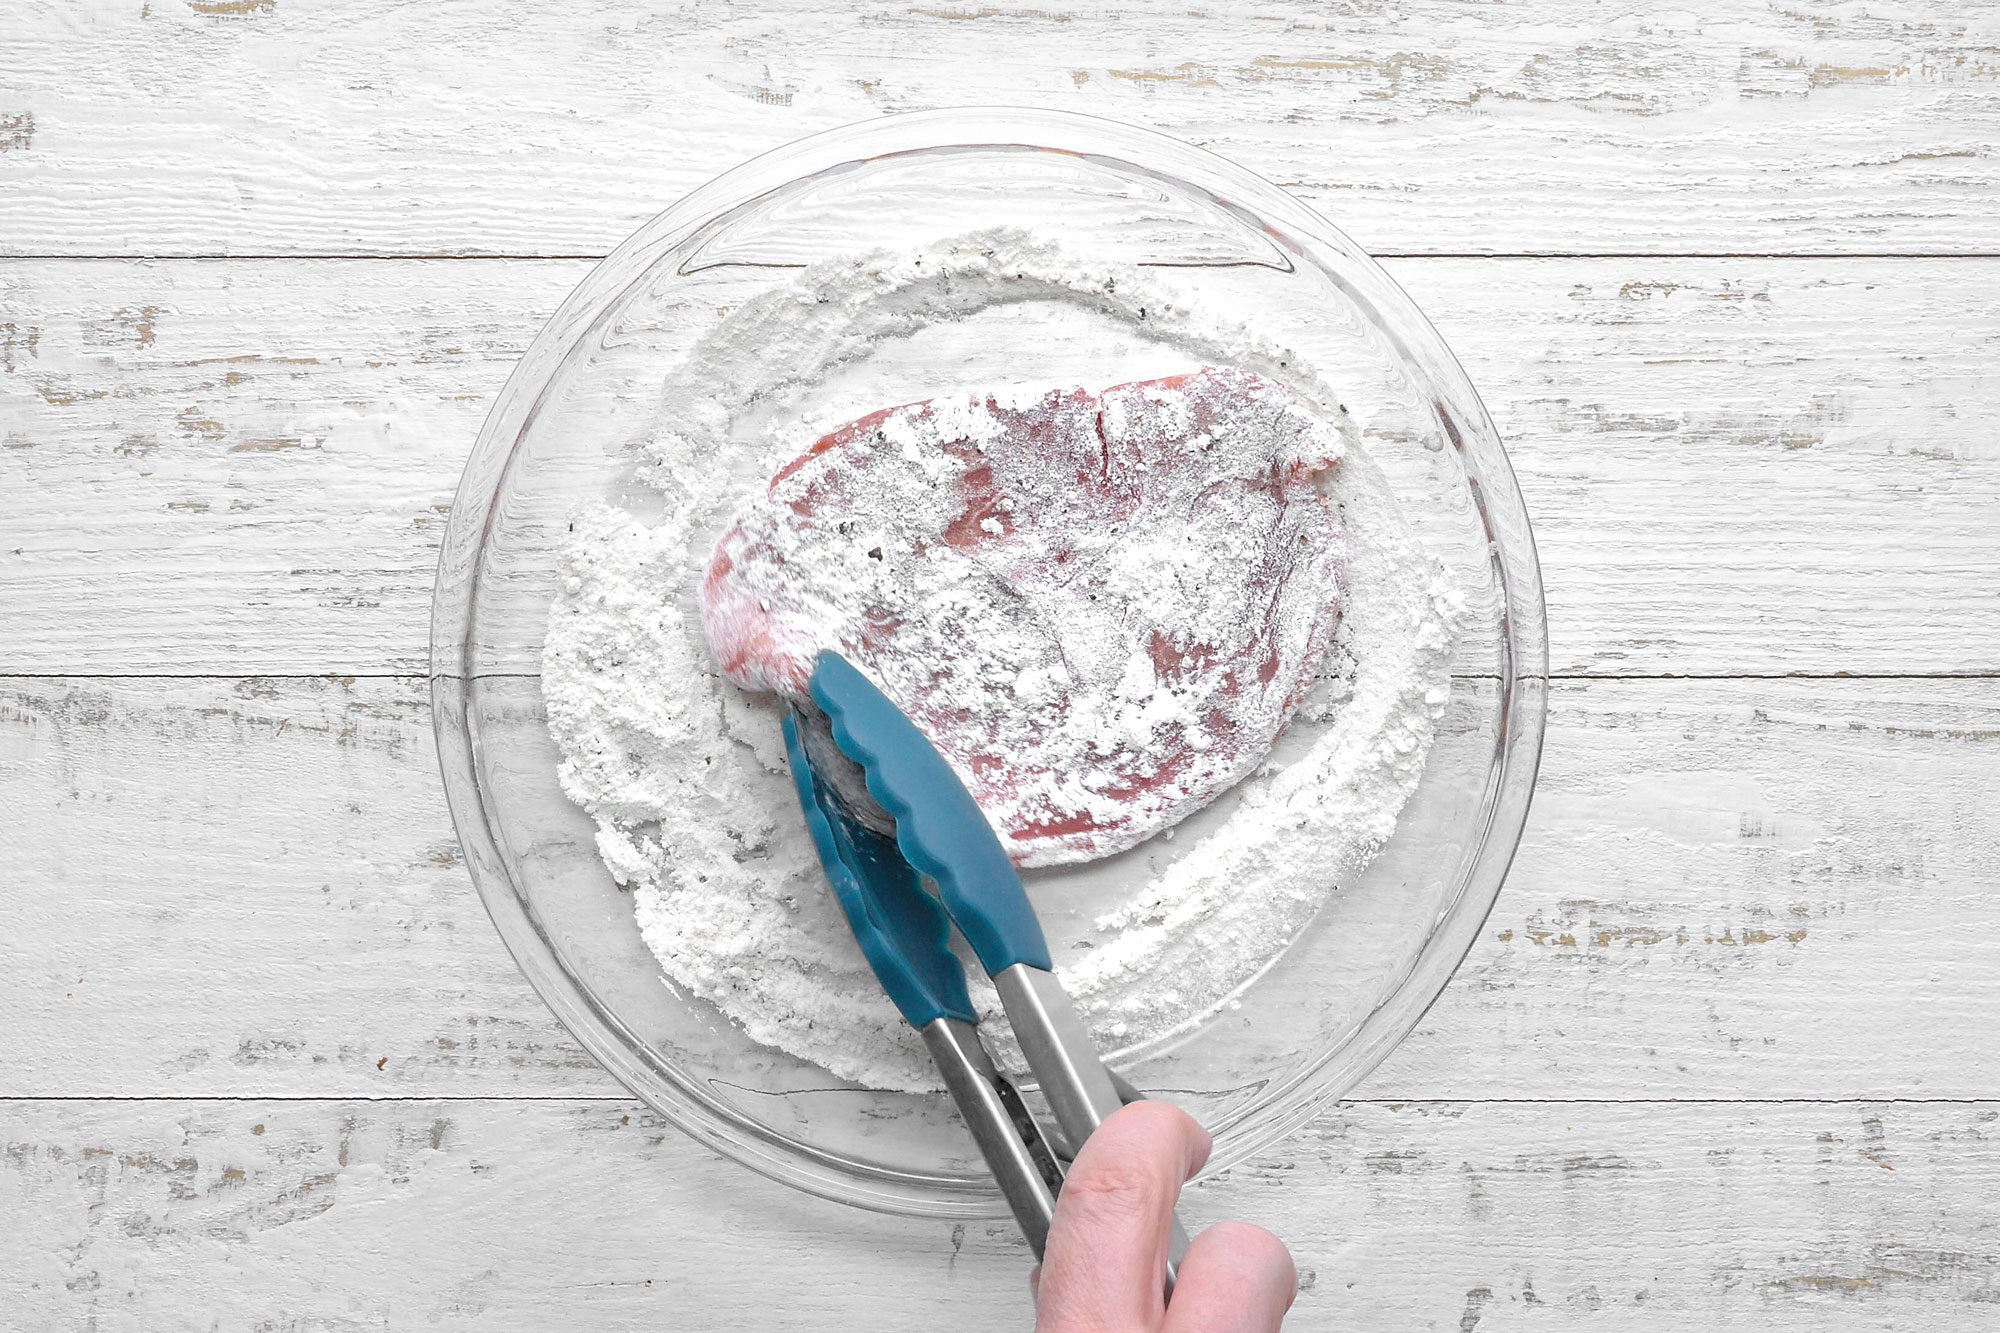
(1350,985)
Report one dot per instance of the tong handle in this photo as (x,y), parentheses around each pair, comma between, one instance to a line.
(1082,1093)
(1022,1163)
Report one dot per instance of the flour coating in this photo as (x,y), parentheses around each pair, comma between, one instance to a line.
(684,773)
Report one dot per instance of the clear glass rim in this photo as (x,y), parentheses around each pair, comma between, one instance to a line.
(1521,679)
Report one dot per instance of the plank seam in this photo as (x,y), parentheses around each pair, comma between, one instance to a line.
(627,1100)
(1983,674)
(386,256)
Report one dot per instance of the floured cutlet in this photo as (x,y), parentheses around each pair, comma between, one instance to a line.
(1101,607)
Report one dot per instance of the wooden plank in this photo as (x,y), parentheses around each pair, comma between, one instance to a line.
(1728,879)
(383,126)
(216,457)
(1728,889)
(1559,1216)
(269,877)
(244,466)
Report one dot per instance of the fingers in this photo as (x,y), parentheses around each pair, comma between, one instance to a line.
(1236,1279)
(1107,1249)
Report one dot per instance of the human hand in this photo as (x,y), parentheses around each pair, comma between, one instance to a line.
(1107,1249)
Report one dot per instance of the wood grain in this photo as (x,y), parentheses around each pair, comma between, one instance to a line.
(1734,466)
(534,1215)
(268,1065)
(1729,889)
(389,126)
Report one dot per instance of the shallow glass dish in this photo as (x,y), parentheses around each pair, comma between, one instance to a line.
(1355,980)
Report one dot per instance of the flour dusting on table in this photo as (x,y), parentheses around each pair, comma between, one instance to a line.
(684,773)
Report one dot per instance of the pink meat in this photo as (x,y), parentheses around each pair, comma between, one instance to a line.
(1102,608)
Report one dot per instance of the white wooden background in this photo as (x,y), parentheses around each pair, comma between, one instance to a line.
(1728,1054)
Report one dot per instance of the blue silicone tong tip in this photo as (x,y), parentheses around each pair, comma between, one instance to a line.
(902,930)
(939,827)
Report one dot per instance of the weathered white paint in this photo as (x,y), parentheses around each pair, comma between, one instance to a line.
(1728,889)
(1761,466)
(397,126)
(524,1216)
(1743,892)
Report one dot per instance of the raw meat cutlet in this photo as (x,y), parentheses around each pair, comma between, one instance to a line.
(1102,608)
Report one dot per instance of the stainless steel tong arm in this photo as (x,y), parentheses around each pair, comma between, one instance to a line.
(1081,1092)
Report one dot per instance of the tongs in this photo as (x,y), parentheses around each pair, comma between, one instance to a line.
(887,814)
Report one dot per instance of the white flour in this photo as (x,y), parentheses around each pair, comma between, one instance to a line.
(685,775)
